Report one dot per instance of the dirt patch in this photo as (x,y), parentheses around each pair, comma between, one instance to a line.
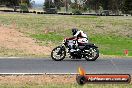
(38,79)
(10,38)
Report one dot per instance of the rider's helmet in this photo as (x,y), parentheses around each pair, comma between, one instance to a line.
(74,31)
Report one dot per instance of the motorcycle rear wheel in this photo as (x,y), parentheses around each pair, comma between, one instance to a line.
(91,56)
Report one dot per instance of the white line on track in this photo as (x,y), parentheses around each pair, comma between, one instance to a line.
(39,73)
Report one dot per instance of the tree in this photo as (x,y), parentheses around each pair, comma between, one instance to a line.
(127,6)
(9,2)
(28,2)
(24,4)
(114,5)
(79,4)
(23,7)
(59,3)
(32,3)
(49,4)
(65,3)
(14,2)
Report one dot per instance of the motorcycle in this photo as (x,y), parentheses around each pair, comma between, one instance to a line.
(88,51)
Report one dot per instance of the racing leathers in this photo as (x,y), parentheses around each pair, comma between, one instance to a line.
(79,38)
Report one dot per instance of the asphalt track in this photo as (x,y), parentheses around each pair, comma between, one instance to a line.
(46,65)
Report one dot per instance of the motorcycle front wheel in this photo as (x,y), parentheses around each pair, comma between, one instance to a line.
(58,54)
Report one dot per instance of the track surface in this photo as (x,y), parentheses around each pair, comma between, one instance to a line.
(46,65)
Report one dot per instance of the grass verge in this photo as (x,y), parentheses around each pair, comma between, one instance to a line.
(113,35)
(50,81)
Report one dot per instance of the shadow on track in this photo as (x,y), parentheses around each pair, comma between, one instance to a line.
(78,60)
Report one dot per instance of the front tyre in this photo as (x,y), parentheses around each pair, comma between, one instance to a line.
(92,54)
(58,53)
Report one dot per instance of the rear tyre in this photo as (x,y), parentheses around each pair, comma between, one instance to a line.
(92,55)
(58,54)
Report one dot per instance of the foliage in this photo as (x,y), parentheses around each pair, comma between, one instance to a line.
(114,5)
(79,6)
(83,5)
(14,2)
(58,4)
(76,12)
(10,2)
(49,4)
(23,7)
(100,9)
(128,6)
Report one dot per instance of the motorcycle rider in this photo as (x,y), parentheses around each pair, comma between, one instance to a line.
(79,36)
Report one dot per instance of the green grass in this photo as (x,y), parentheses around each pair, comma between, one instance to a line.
(113,35)
(108,45)
(48,37)
(69,86)
(113,45)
